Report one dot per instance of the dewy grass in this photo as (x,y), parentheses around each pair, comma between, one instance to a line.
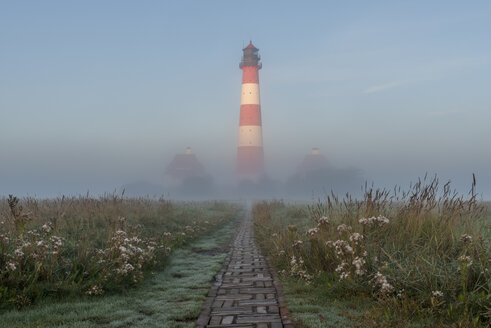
(172,298)
(80,245)
(420,256)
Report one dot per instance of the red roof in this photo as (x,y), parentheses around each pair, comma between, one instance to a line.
(250,46)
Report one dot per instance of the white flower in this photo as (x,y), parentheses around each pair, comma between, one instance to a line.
(386,288)
(342,247)
(381,281)
(356,237)
(11,266)
(467,260)
(341,267)
(297,243)
(46,228)
(313,231)
(344,275)
(323,221)
(465,238)
(437,293)
(380,221)
(343,227)
(359,263)
(18,252)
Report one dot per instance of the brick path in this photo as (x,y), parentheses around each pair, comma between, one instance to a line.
(244,294)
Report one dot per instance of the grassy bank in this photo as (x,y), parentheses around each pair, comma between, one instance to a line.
(85,246)
(419,258)
(173,297)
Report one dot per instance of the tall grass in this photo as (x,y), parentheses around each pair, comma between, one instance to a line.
(83,245)
(418,253)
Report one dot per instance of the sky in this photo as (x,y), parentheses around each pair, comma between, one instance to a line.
(97,94)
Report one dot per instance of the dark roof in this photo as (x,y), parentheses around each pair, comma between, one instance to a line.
(250,46)
(184,166)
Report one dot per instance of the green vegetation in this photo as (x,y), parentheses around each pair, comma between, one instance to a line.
(417,258)
(173,297)
(80,245)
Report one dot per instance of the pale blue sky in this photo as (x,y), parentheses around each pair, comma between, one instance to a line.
(95,94)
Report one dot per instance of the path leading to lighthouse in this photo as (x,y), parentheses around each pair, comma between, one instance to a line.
(244,294)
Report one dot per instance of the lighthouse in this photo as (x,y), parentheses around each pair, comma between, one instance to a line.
(250,157)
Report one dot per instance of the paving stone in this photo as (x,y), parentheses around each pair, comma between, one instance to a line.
(261,309)
(227,320)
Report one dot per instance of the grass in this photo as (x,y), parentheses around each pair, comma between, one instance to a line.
(173,297)
(80,245)
(420,257)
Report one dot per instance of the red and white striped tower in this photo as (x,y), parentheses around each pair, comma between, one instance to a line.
(250,159)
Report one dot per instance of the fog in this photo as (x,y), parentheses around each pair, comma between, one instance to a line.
(99,97)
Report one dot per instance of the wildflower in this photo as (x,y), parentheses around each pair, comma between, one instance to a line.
(95,290)
(359,263)
(356,237)
(465,260)
(18,252)
(343,227)
(379,221)
(56,241)
(465,238)
(323,221)
(275,235)
(437,294)
(341,267)
(400,293)
(281,253)
(11,266)
(381,281)
(342,247)
(297,243)
(344,275)
(46,228)
(386,288)
(313,231)
(5,238)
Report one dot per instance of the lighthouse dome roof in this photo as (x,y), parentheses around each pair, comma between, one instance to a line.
(251,46)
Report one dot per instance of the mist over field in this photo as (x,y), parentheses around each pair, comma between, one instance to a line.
(97,97)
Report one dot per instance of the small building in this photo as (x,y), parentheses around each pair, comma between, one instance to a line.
(312,163)
(183,167)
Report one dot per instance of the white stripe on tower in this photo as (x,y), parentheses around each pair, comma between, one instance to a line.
(250,94)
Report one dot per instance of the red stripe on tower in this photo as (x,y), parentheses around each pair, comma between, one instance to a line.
(250,158)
